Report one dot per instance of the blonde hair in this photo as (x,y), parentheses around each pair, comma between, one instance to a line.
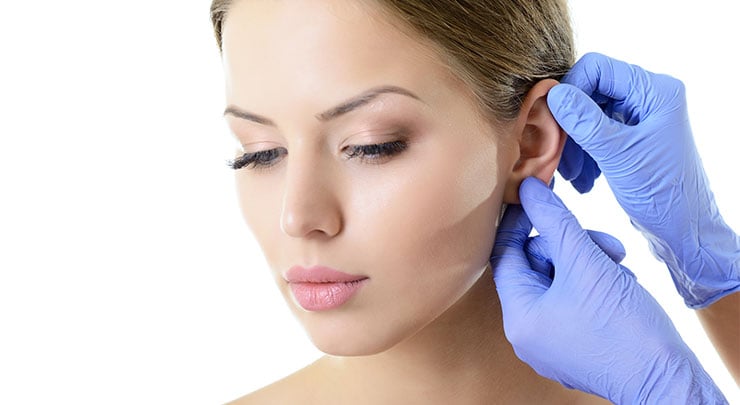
(500,48)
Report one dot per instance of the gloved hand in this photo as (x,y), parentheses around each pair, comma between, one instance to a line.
(591,326)
(636,130)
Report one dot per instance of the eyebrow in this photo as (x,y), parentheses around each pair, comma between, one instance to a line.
(352,104)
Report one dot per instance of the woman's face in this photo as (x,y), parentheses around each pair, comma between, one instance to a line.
(416,218)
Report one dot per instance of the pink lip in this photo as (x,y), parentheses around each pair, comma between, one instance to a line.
(321,288)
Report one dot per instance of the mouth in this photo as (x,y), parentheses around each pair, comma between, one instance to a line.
(325,296)
(321,288)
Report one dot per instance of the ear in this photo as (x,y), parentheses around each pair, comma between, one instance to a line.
(540,141)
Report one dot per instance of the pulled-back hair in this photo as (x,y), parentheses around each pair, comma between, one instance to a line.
(500,48)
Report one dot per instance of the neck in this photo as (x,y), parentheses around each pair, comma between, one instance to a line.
(461,357)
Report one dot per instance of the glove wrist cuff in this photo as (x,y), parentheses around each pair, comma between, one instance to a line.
(704,267)
(679,379)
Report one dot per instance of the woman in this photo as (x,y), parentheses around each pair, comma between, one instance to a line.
(381,139)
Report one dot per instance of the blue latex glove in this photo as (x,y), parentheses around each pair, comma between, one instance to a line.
(591,326)
(633,125)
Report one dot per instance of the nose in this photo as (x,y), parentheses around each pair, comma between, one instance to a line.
(310,206)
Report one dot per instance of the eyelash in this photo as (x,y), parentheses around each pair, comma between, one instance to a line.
(373,154)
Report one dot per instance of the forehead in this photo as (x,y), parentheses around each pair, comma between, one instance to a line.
(323,49)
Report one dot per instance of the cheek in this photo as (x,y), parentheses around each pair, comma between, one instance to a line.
(421,228)
(434,217)
(260,206)
(431,210)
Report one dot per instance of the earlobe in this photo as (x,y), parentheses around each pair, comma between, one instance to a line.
(540,141)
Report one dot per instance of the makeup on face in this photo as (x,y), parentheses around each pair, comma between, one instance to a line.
(402,190)
(374,153)
(371,107)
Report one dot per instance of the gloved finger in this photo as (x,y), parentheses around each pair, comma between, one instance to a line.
(512,232)
(581,118)
(571,160)
(538,257)
(540,261)
(597,74)
(517,284)
(578,167)
(508,249)
(609,245)
(589,173)
(614,84)
(567,243)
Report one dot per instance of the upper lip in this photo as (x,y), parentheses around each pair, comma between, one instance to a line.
(319,274)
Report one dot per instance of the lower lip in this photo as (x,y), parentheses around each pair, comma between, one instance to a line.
(324,296)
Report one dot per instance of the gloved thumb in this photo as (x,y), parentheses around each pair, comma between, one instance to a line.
(584,121)
(516,282)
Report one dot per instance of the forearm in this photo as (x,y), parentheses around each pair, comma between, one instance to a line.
(721,321)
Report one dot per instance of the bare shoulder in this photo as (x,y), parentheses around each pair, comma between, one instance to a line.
(299,387)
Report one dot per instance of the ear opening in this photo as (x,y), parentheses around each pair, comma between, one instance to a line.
(540,141)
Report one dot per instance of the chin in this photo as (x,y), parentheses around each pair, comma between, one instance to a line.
(347,350)
(354,338)
(345,345)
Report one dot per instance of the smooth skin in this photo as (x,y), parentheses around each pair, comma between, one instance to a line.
(427,326)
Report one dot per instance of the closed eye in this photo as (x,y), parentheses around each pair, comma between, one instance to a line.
(374,153)
(257,160)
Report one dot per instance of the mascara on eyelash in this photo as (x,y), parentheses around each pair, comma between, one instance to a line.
(265,159)
(386,149)
(258,159)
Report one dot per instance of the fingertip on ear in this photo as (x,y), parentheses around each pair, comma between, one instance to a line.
(511,193)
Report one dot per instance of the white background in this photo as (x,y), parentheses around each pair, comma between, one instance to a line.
(126,273)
